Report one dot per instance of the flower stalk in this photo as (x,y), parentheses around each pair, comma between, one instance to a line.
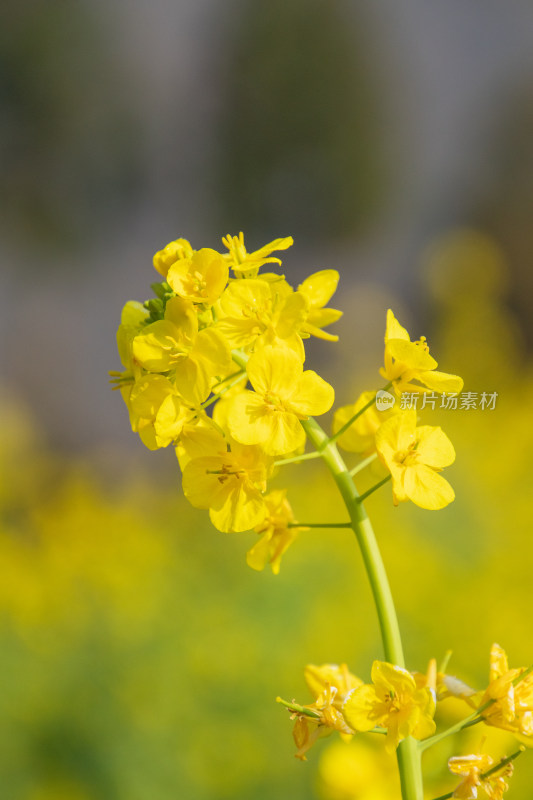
(408,753)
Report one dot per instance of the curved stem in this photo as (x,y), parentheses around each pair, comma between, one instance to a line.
(408,753)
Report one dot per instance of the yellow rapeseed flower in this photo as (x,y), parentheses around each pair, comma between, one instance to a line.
(513,706)
(157,411)
(330,684)
(360,437)
(338,676)
(229,483)
(407,361)
(471,768)
(284,394)
(200,278)
(256,312)
(174,251)
(393,701)
(277,536)
(133,319)
(174,344)
(415,455)
(245,264)
(319,289)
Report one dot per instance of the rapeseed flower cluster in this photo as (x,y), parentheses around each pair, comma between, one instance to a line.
(214,365)
(399,704)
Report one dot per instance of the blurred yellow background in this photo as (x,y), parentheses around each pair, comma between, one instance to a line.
(140,657)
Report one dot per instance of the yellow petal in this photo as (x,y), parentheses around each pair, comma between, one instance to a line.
(337,676)
(240,510)
(201,482)
(320,287)
(433,447)
(155,346)
(292,314)
(248,418)
(274,370)
(396,434)
(245,297)
(498,662)
(170,419)
(251,421)
(200,441)
(390,678)
(426,488)
(312,395)
(213,351)
(258,555)
(359,710)
(312,330)
(182,314)
(147,395)
(394,330)
(441,381)
(286,435)
(178,249)
(193,380)
(412,355)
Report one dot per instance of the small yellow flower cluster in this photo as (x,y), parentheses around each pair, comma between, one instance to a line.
(510,694)
(395,703)
(478,772)
(401,704)
(413,455)
(215,327)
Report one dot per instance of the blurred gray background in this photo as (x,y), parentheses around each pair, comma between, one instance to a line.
(363,130)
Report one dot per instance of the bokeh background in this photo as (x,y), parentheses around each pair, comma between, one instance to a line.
(140,657)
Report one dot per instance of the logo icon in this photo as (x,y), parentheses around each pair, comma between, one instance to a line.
(384,400)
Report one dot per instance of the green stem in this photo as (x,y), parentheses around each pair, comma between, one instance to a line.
(296,459)
(373,488)
(319,525)
(363,464)
(357,415)
(473,719)
(408,753)
(298,709)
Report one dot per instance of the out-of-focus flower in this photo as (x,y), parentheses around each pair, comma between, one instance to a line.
(512,708)
(415,456)
(392,701)
(407,361)
(245,264)
(359,770)
(277,536)
(360,437)
(284,394)
(472,769)
(319,289)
